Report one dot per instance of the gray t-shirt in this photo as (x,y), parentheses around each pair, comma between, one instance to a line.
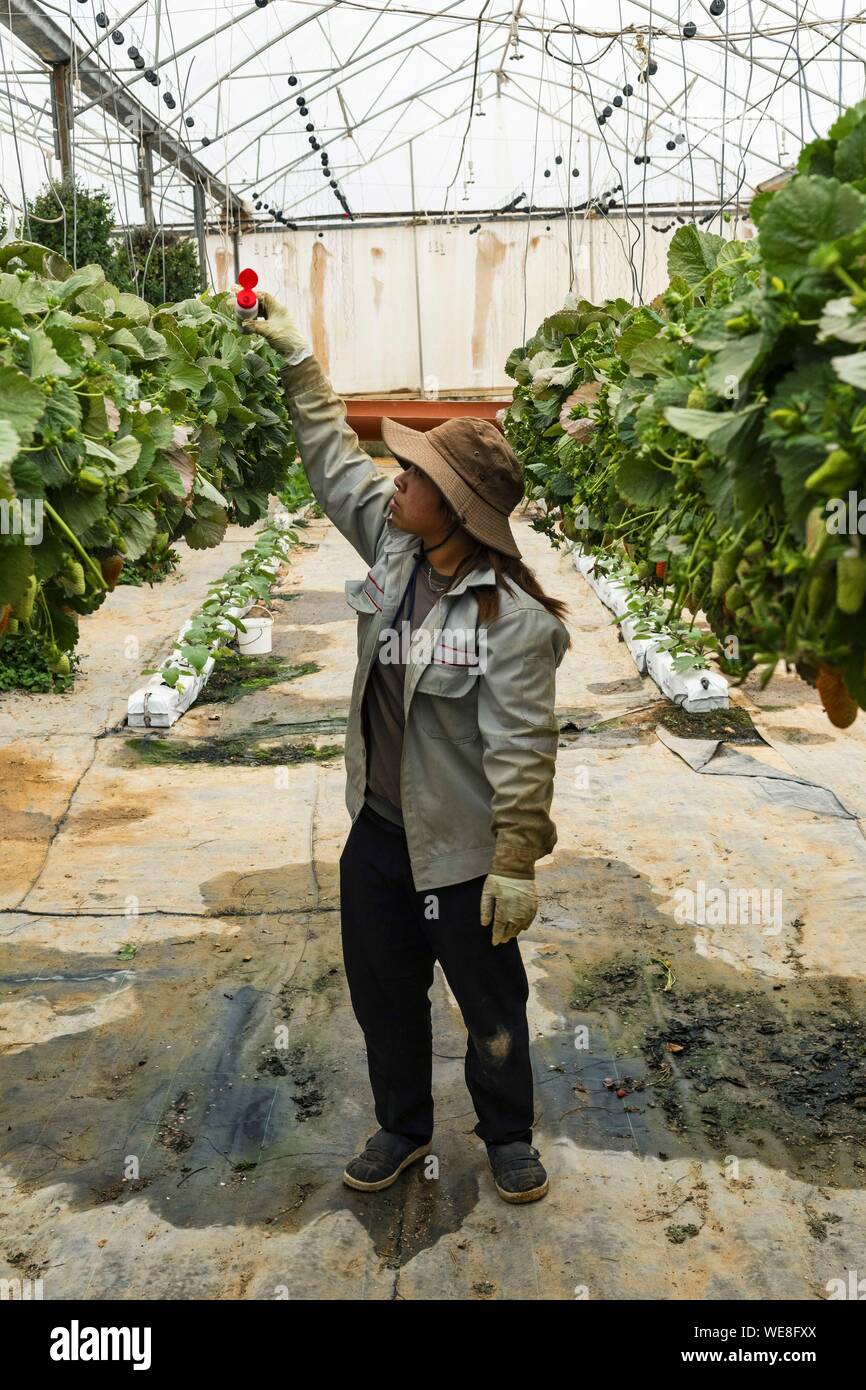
(382,710)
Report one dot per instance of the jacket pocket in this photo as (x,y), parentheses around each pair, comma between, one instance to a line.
(358,597)
(445,702)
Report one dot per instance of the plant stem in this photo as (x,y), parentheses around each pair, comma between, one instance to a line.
(44,602)
(58,521)
(842,274)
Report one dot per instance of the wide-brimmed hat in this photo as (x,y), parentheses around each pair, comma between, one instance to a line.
(473,466)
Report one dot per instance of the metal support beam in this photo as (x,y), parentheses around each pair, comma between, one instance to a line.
(417,277)
(145,179)
(199,215)
(61,115)
(38,31)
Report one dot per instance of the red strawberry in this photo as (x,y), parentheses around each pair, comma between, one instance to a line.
(111,567)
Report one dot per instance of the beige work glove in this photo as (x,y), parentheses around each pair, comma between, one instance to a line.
(509,903)
(280,330)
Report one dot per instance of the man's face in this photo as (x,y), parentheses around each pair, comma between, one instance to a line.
(416,506)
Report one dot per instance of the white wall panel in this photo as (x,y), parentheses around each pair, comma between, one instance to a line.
(353,293)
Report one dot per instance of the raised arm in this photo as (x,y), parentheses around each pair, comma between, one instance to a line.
(347,486)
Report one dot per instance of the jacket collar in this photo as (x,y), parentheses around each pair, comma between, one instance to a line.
(480,575)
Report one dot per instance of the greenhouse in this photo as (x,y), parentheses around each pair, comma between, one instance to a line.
(433,663)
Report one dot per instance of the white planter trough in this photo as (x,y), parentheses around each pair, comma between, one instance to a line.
(693,690)
(157,705)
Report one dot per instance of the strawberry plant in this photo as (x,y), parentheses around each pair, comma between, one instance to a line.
(123,428)
(723,443)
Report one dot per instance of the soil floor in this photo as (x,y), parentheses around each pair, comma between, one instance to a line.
(183,1079)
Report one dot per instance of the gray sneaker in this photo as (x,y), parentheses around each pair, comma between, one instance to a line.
(383,1160)
(517,1172)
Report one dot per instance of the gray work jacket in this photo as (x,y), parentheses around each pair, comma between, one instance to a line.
(480,739)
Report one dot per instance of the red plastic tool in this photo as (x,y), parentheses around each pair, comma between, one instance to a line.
(246,301)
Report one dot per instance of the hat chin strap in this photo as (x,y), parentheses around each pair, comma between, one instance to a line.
(428,549)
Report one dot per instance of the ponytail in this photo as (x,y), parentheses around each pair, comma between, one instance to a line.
(505,567)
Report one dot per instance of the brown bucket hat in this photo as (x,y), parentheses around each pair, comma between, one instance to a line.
(473,466)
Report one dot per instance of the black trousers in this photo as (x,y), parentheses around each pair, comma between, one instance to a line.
(392,935)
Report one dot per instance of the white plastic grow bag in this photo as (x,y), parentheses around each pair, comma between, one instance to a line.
(157,705)
(693,690)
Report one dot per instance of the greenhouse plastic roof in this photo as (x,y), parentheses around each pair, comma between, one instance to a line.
(433,107)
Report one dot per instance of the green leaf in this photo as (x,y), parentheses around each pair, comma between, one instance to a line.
(67,338)
(638,331)
(29,253)
(16,567)
(693,254)
(516,368)
(844,124)
(9,315)
(56,266)
(96,418)
(142,343)
(132,307)
(562,484)
(125,342)
(697,424)
(734,363)
(793,462)
(206,489)
(648,359)
(849,163)
(44,359)
(208,446)
(28,477)
(27,296)
(156,428)
(192,311)
(226,401)
(230,351)
(639,481)
(83,279)
(123,454)
(94,304)
(62,409)
(21,402)
(807,212)
(79,509)
(196,656)
(733,254)
(185,375)
(164,472)
(127,451)
(9,442)
(209,526)
(138,528)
